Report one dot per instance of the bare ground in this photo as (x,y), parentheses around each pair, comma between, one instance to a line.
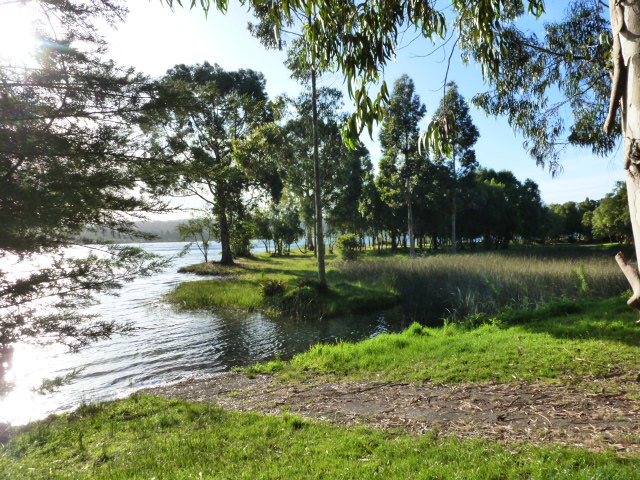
(536,412)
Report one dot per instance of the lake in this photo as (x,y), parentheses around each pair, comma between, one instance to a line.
(169,345)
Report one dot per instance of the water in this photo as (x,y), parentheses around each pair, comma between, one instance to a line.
(169,346)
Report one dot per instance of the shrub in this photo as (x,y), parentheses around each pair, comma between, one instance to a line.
(348,246)
(273,288)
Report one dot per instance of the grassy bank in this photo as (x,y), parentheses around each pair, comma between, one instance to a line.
(148,437)
(595,338)
(283,285)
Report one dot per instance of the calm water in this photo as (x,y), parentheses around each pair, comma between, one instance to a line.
(170,346)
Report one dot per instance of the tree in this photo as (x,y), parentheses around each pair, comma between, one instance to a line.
(199,230)
(197,114)
(326,144)
(509,208)
(344,190)
(610,220)
(69,162)
(460,134)
(625,22)
(399,140)
(305,67)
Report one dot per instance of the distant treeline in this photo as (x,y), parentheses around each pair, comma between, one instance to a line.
(161,231)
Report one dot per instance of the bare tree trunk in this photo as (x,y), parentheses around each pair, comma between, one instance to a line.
(225,239)
(317,187)
(625,91)
(454,206)
(412,239)
(309,239)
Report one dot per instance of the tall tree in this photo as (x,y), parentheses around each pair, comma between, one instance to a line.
(69,161)
(611,219)
(196,115)
(399,136)
(460,135)
(328,146)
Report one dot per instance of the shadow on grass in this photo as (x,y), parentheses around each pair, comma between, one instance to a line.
(610,320)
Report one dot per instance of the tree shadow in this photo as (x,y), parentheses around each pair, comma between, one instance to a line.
(609,320)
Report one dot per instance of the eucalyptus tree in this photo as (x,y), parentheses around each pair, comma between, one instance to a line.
(457,131)
(69,162)
(505,208)
(345,188)
(305,67)
(325,146)
(399,136)
(611,219)
(196,115)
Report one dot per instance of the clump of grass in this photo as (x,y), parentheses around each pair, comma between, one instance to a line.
(439,286)
(580,338)
(272,288)
(176,439)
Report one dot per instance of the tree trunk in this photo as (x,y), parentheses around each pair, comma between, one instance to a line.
(225,238)
(454,207)
(625,91)
(412,239)
(317,187)
(310,240)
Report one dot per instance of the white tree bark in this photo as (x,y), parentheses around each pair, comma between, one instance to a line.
(625,92)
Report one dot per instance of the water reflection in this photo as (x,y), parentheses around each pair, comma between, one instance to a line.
(168,347)
(6,360)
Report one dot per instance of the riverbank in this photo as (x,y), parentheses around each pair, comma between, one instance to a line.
(551,393)
(282,285)
(561,341)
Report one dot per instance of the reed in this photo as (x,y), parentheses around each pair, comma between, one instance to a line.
(453,286)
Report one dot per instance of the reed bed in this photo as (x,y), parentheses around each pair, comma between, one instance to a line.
(453,286)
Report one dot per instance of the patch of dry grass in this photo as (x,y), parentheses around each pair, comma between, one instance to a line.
(444,285)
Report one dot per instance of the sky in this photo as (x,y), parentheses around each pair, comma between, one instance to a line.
(154,38)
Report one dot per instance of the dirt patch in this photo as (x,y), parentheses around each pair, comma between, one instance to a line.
(536,412)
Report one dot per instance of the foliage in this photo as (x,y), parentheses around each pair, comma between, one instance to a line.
(348,246)
(572,59)
(279,223)
(610,220)
(69,163)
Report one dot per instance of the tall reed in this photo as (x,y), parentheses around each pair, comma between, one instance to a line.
(443,285)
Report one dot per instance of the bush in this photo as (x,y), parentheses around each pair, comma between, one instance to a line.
(348,246)
(273,288)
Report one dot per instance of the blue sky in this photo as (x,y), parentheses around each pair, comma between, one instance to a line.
(153,39)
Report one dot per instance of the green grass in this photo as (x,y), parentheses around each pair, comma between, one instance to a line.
(146,437)
(583,338)
(301,297)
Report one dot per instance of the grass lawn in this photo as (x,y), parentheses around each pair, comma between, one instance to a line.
(244,288)
(147,437)
(596,338)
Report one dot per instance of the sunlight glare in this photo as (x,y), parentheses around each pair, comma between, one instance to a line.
(17,40)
